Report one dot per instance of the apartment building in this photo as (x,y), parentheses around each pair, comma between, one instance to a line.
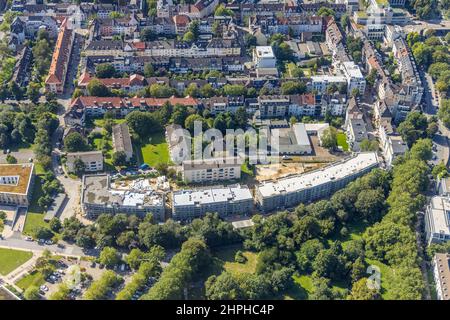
(355,126)
(295,25)
(263,57)
(441,272)
(303,105)
(89,106)
(321,83)
(210,170)
(16,184)
(98,197)
(121,140)
(437,220)
(131,84)
(92,160)
(333,36)
(289,192)
(411,83)
(226,201)
(273,106)
(354,76)
(60,60)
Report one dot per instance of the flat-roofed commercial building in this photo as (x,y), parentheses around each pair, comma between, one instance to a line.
(437,220)
(441,271)
(226,201)
(289,192)
(98,197)
(291,141)
(16,184)
(208,170)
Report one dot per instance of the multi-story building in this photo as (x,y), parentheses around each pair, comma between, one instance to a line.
(88,106)
(16,184)
(289,192)
(333,36)
(226,201)
(60,61)
(354,76)
(303,105)
(355,126)
(441,272)
(295,25)
(411,83)
(209,170)
(273,106)
(263,57)
(92,160)
(335,104)
(98,197)
(131,84)
(121,140)
(437,220)
(321,83)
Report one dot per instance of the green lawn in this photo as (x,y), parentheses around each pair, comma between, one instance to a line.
(342,141)
(386,277)
(35,215)
(225,257)
(105,142)
(100,122)
(11,259)
(34,278)
(155,151)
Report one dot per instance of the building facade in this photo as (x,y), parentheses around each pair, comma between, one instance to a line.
(289,192)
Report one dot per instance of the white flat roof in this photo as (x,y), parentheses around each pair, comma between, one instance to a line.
(264,52)
(314,178)
(301,135)
(353,70)
(211,195)
(440,215)
(328,78)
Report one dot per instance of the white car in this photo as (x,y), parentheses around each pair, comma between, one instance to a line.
(28,239)
(48,242)
(44,288)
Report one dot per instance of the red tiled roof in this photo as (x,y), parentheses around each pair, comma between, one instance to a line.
(139,45)
(181,20)
(61,55)
(118,102)
(133,80)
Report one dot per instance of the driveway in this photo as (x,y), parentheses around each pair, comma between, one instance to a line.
(72,188)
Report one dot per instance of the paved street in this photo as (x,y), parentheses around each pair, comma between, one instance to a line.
(17,242)
(430,108)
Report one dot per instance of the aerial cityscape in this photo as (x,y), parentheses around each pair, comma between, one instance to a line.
(224,150)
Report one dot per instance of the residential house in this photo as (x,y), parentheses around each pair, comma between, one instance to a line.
(92,160)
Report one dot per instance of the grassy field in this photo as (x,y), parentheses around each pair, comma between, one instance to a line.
(225,258)
(342,141)
(11,259)
(35,215)
(105,142)
(33,278)
(386,276)
(155,151)
(100,122)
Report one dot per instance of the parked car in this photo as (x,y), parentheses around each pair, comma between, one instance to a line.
(28,239)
